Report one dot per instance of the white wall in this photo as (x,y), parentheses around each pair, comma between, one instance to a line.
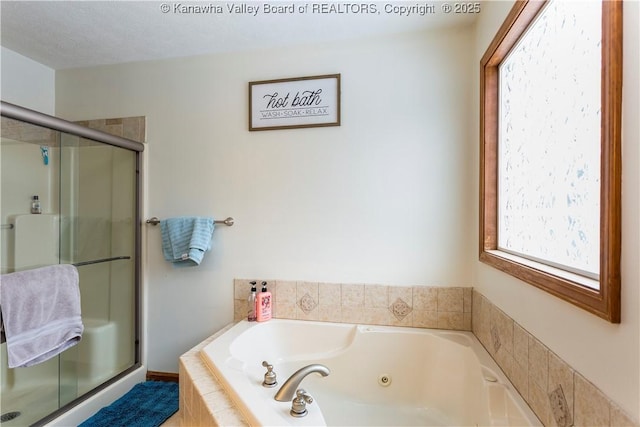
(607,355)
(384,198)
(26,82)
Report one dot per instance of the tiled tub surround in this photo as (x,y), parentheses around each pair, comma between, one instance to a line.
(414,306)
(203,401)
(558,395)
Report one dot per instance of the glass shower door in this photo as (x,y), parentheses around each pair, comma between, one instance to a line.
(29,166)
(97,207)
(88,195)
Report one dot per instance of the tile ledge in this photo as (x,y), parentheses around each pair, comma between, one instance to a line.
(230,412)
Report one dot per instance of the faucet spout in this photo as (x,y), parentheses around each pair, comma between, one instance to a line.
(290,386)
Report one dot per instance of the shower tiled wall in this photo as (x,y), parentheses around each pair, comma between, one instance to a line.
(26,132)
(133,128)
(415,306)
(559,395)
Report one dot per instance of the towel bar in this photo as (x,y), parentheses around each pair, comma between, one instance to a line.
(155,221)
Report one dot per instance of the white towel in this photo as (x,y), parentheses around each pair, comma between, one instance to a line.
(41,313)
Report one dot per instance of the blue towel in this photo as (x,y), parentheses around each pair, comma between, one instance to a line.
(185,239)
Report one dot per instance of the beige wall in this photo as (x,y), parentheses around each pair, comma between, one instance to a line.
(384,198)
(607,355)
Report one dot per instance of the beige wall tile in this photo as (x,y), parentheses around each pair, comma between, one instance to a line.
(310,288)
(352,296)
(466,321)
(520,344)
(425,298)
(286,310)
(241,289)
(330,295)
(330,313)
(271,287)
(504,328)
(560,414)
(520,378)
(505,361)
(466,300)
(405,322)
(134,128)
(450,320)
(450,299)
(377,316)
(400,310)
(539,402)
(538,364)
(484,328)
(403,292)
(425,319)
(560,375)
(307,309)
(620,419)
(307,301)
(240,310)
(591,407)
(283,307)
(353,314)
(376,296)
(286,291)
(476,303)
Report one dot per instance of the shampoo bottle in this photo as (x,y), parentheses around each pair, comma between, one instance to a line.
(251,303)
(263,304)
(36,208)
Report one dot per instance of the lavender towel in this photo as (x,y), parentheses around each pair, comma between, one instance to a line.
(41,313)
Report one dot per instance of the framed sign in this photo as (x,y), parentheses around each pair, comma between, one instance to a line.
(294,103)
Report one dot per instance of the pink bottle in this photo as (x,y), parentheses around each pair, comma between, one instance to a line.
(263,304)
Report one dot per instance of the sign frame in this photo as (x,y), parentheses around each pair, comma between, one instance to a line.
(293,103)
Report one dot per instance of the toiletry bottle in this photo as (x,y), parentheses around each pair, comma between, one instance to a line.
(251,303)
(263,304)
(36,208)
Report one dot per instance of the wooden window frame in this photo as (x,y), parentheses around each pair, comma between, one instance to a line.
(605,301)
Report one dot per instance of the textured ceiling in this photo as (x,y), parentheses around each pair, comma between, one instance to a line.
(71,34)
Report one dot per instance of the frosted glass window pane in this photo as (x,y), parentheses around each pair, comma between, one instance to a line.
(549,146)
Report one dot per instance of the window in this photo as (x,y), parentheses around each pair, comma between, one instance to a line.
(551,96)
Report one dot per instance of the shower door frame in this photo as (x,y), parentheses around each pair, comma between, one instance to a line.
(33,117)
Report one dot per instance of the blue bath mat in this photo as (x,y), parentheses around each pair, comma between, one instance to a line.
(147,404)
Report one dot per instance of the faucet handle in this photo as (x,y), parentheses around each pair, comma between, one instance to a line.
(302,394)
(299,403)
(270,379)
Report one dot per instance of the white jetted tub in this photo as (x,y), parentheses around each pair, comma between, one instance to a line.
(380,376)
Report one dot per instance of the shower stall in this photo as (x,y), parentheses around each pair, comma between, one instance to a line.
(88,185)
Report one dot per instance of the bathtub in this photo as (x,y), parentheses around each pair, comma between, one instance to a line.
(380,375)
